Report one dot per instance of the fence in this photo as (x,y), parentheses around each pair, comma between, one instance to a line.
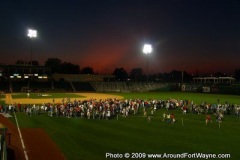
(3,146)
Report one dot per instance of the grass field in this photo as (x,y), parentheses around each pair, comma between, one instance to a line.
(196,97)
(92,139)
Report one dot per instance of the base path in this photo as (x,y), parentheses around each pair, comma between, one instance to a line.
(9,99)
(86,96)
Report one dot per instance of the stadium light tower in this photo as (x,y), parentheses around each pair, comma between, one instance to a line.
(32,34)
(147,49)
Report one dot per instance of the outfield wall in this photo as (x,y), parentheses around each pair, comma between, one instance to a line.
(212,88)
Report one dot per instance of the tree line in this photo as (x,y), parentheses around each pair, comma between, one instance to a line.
(58,66)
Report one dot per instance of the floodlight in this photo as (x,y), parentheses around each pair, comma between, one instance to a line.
(32,33)
(147,48)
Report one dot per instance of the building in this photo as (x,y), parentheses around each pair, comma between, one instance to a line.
(213,80)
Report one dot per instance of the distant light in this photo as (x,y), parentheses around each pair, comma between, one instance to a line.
(32,33)
(26,77)
(147,48)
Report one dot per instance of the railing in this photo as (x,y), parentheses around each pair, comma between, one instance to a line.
(3,146)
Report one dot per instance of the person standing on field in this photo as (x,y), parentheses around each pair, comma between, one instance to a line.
(208,119)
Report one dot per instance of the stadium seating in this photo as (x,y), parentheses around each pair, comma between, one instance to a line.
(62,86)
(83,86)
(126,86)
(17,86)
(4,86)
(40,86)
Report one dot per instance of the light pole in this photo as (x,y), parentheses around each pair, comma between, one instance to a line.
(147,49)
(32,34)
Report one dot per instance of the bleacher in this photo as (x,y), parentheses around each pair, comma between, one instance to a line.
(40,86)
(126,86)
(108,86)
(18,85)
(62,86)
(83,86)
(4,86)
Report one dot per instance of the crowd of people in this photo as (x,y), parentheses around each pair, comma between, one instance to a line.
(109,108)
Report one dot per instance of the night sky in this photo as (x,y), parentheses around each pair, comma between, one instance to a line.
(190,35)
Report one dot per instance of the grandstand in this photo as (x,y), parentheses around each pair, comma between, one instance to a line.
(4,86)
(19,85)
(29,85)
(62,86)
(126,86)
(40,79)
(40,86)
(26,78)
(83,86)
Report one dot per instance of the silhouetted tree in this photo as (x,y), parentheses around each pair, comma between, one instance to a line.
(54,64)
(237,75)
(136,74)
(87,70)
(69,68)
(120,74)
(219,74)
(21,62)
(34,63)
(158,77)
(177,76)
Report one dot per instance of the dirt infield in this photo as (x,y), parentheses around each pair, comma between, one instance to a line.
(86,96)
